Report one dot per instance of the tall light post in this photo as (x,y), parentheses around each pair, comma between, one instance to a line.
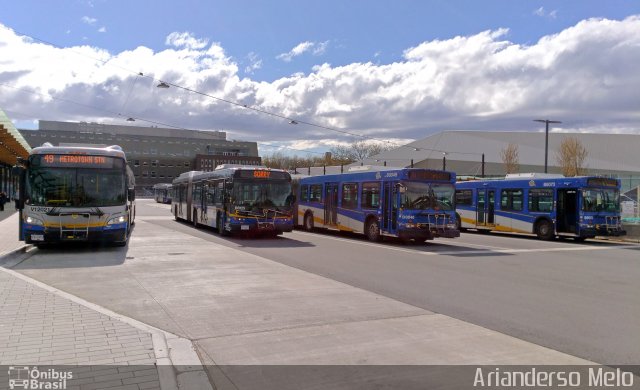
(546,139)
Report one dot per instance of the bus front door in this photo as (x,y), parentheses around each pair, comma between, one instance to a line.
(331,204)
(567,211)
(486,207)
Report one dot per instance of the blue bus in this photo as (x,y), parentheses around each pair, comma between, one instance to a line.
(162,192)
(412,204)
(543,204)
(235,199)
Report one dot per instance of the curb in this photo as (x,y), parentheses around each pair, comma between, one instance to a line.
(177,362)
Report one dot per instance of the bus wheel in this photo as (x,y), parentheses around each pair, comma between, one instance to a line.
(579,239)
(308,222)
(458,222)
(372,230)
(544,230)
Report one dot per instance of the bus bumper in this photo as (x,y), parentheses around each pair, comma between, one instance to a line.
(53,236)
(602,231)
(425,234)
(277,226)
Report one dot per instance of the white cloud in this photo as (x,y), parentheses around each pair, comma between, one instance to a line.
(102,29)
(88,20)
(586,76)
(255,63)
(186,40)
(316,48)
(546,14)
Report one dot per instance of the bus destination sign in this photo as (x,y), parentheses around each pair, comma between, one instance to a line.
(73,161)
(429,175)
(262,174)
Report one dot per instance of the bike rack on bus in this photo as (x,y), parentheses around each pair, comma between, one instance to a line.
(64,233)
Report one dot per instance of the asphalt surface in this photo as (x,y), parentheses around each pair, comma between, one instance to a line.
(582,299)
(578,298)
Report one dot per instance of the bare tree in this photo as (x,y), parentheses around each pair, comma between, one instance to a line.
(510,158)
(571,156)
(358,150)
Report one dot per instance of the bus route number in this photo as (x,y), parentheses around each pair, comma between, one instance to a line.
(261,174)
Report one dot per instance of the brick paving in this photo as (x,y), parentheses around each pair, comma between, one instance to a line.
(39,328)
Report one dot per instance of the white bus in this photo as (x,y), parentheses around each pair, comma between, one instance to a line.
(76,194)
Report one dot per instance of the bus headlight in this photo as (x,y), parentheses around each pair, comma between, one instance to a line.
(33,221)
(120,219)
(410,225)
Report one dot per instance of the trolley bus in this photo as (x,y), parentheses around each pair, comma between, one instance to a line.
(412,204)
(76,194)
(235,199)
(162,193)
(543,204)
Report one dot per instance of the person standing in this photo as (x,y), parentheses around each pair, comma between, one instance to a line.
(3,200)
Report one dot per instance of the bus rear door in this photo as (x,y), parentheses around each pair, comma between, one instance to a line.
(486,206)
(331,204)
(389,208)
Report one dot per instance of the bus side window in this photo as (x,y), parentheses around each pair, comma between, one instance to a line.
(370,195)
(315,193)
(464,197)
(304,193)
(350,195)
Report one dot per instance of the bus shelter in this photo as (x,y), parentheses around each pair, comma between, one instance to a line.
(12,146)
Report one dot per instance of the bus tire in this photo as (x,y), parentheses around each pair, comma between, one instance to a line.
(458,222)
(579,239)
(372,230)
(544,230)
(308,222)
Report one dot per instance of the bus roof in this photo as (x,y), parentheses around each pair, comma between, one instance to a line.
(224,171)
(544,182)
(385,174)
(47,148)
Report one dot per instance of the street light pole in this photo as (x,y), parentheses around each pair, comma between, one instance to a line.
(546,139)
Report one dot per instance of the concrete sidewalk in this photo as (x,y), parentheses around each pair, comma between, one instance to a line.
(9,232)
(42,326)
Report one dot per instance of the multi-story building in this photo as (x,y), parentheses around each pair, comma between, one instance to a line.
(156,155)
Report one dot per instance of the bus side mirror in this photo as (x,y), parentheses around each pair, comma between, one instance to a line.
(131,194)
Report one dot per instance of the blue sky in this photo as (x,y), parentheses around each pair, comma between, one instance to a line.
(270,54)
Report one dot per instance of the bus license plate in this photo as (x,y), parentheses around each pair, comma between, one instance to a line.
(37,237)
(244,227)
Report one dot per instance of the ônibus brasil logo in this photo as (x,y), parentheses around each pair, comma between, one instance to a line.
(24,377)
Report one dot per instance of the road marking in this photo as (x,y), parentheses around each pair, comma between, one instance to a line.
(462,252)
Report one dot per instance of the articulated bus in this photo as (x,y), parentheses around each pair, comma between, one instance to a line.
(543,204)
(412,204)
(76,194)
(162,192)
(235,199)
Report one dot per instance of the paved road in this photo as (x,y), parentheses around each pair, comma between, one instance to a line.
(581,299)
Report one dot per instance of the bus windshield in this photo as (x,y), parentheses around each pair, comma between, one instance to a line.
(601,199)
(248,195)
(76,187)
(421,196)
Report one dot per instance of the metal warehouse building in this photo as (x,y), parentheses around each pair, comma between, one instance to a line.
(462,151)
